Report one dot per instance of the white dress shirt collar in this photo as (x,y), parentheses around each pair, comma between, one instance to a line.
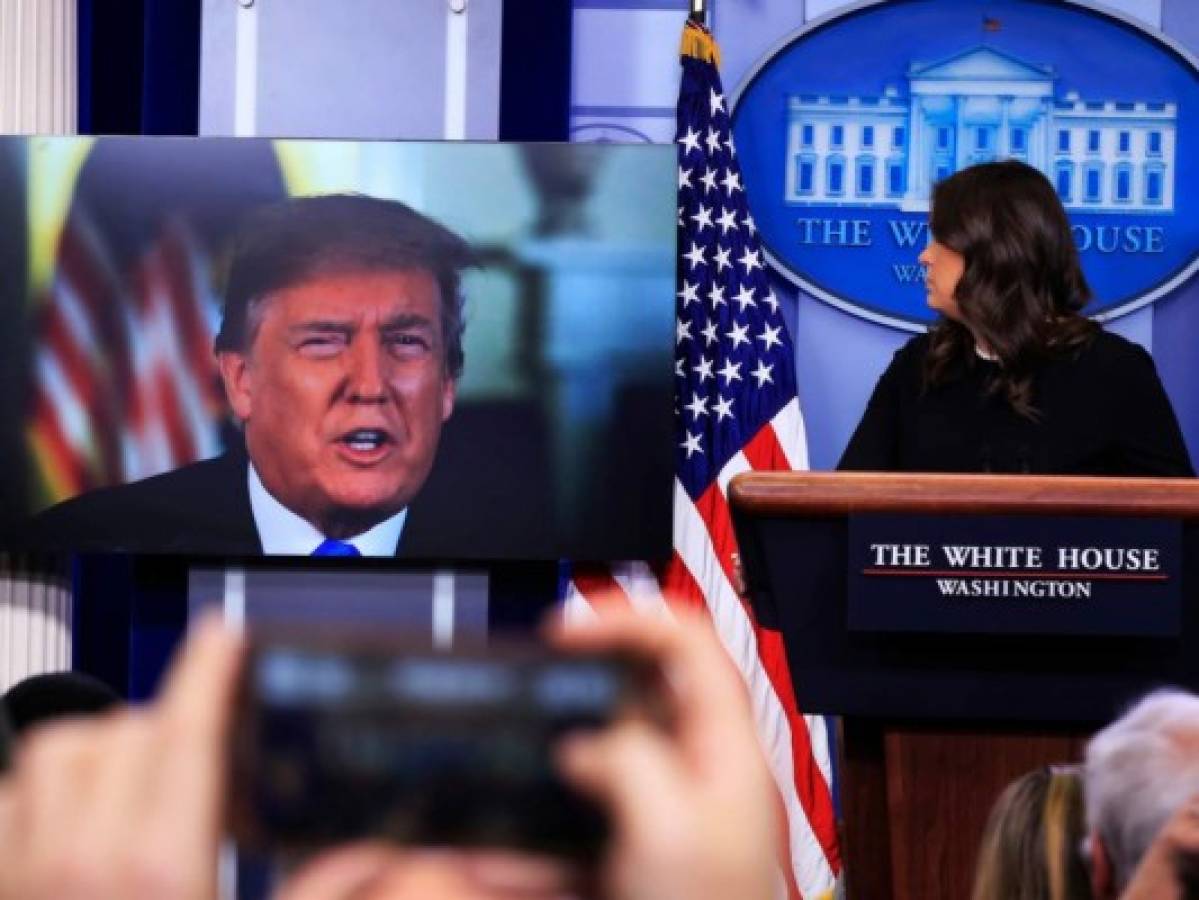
(283,533)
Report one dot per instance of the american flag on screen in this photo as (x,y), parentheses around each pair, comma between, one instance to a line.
(125,383)
(736,411)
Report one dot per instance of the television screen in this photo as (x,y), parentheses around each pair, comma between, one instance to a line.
(454,351)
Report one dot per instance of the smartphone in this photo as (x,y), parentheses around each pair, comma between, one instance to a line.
(338,739)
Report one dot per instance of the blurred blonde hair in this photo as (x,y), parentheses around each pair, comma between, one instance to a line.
(1031,846)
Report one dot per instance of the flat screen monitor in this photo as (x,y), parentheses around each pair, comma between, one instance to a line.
(235,347)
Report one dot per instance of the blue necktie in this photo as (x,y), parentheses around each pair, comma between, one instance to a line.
(330,547)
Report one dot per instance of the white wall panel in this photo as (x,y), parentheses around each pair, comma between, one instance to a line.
(38,88)
(35,618)
(626,57)
(350,68)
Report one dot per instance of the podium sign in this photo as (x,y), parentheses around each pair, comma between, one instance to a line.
(968,629)
(1048,575)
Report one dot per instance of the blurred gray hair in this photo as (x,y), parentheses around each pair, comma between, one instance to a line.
(1139,770)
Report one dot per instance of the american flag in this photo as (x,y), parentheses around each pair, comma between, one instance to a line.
(125,384)
(736,411)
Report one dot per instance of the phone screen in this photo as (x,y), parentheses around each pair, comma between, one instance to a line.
(342,742)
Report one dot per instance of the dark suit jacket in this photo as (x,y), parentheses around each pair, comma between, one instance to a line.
(199,509)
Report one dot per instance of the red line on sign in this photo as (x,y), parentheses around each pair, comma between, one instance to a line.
(968,573)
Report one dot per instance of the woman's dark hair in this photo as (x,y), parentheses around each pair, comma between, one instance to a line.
(1022,291)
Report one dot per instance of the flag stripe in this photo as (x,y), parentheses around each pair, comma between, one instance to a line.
(814,793)
(640,585)
(814,867)
(595,581)
(62,352)
(74,321)
(54,390)
(682,585)
(81,258)
(177,435)
(764,452)
(180,262)
(177,266)
(792,436)
(61,464)
(779,673)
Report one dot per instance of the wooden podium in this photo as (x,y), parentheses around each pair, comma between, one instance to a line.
(951,698)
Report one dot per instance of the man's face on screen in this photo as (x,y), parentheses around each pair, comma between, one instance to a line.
(343,392)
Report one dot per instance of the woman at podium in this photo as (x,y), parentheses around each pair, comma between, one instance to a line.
(1013,377)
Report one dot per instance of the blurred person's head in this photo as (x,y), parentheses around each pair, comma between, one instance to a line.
(1003,270)
(340,350)
(55,695)
(1031,848)
(6,738)
(1139,770)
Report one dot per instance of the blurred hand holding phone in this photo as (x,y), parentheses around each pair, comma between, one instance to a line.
(339,739)
(133,803)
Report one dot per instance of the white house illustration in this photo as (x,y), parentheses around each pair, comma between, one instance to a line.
(980,105)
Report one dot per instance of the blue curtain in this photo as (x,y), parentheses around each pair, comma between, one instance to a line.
(535,70)
(139,66)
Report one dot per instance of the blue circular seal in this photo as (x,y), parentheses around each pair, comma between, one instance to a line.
(844,128)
